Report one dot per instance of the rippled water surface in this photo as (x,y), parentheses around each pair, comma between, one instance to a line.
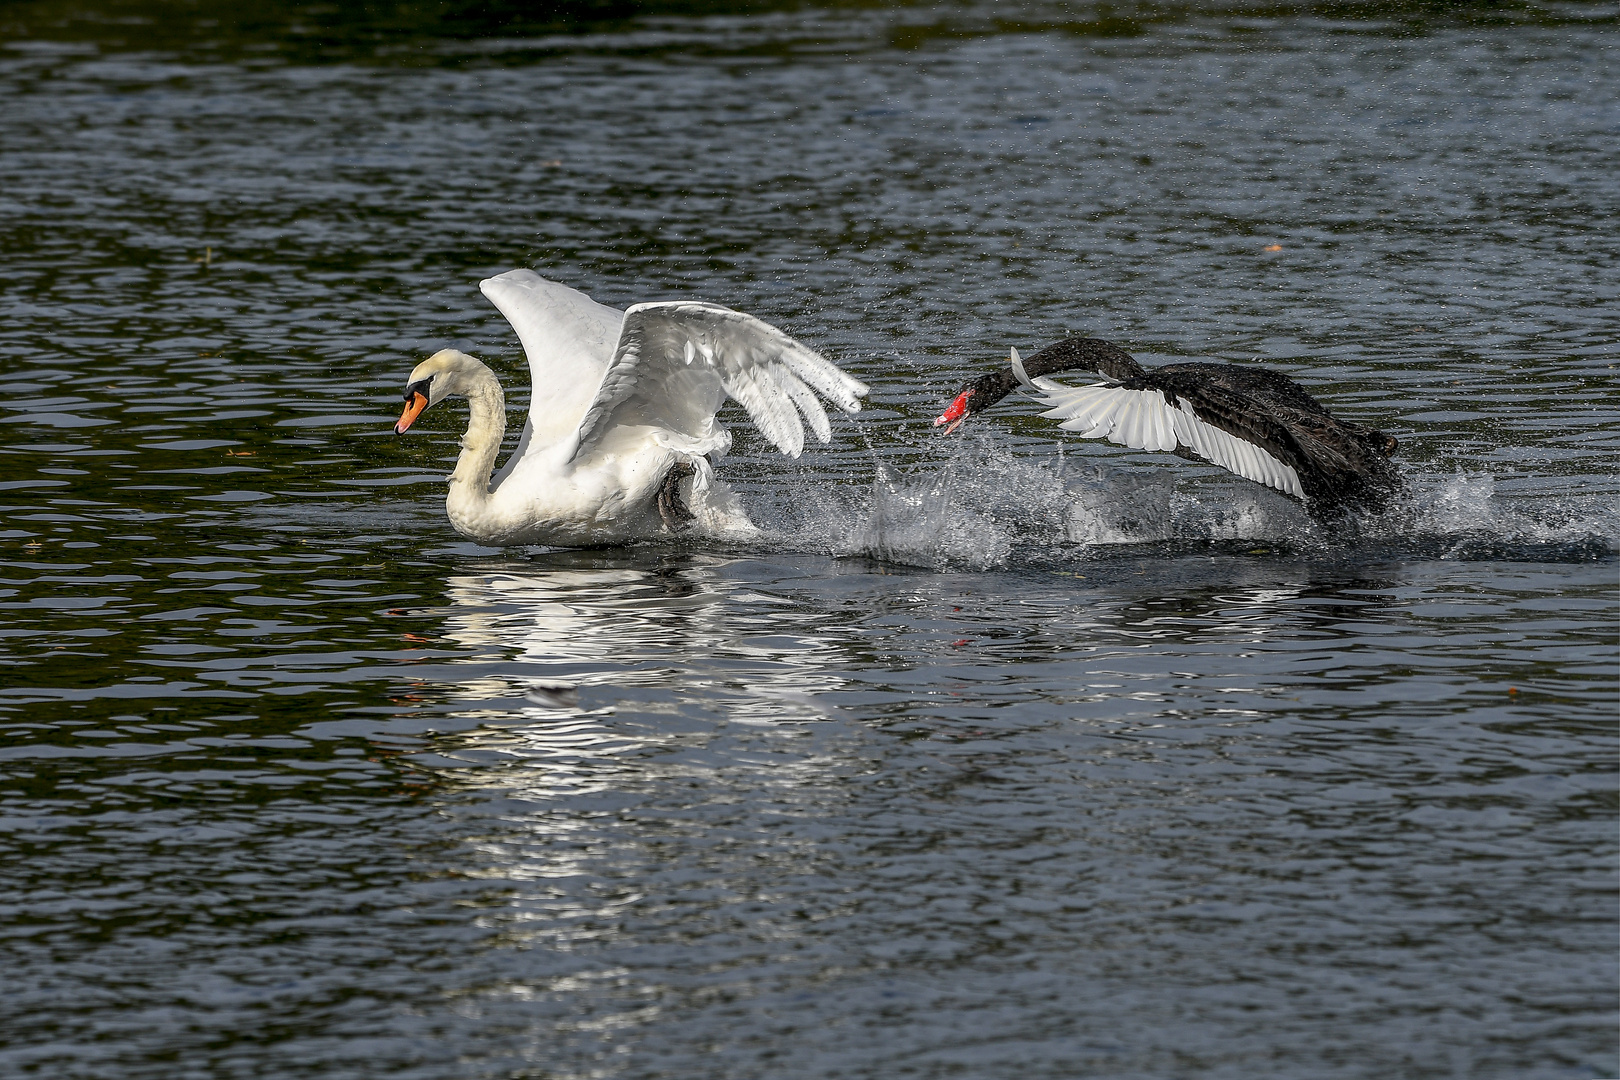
(1001,757)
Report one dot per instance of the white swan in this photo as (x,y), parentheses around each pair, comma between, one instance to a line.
(621,430)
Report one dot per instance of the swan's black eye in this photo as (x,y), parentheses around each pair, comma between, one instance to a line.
(420,386)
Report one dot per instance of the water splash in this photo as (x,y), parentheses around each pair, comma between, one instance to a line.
(1471,517)
(928,522)
(1465,503)
(1119,508)
(989,506)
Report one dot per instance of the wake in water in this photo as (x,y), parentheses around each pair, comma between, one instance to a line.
(987,506)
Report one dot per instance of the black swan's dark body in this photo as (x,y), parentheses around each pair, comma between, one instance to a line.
(1341,464)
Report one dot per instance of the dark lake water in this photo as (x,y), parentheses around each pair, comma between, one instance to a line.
(958,774)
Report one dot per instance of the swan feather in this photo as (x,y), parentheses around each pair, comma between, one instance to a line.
(764,370)
(568,339)
(1145,420)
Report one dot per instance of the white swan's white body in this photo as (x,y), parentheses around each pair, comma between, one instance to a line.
(619,399)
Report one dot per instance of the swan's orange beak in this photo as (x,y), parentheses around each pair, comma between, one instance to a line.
(413,408)
(956,413)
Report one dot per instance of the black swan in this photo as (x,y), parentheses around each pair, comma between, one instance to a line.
(1253,421)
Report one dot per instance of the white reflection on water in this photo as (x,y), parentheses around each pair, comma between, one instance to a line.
(644,627)
(580,669)
(624,706)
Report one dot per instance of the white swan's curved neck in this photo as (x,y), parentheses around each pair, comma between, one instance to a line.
(486,426)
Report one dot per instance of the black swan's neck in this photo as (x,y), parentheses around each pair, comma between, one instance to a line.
(1085,354)
(1073,354)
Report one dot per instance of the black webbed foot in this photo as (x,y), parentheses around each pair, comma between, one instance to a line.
(670,507)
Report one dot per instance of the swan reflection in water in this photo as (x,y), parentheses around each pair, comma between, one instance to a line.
(576,668)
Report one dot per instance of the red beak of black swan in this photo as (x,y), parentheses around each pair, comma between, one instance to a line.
(957,412)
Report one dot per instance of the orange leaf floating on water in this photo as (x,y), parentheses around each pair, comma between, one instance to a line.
(1272,247)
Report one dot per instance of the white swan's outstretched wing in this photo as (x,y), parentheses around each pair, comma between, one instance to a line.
(569,340)
(1145,420)
(676,362)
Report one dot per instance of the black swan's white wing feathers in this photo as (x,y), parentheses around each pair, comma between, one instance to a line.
(1146,420)
(677,361)
(1136,418)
